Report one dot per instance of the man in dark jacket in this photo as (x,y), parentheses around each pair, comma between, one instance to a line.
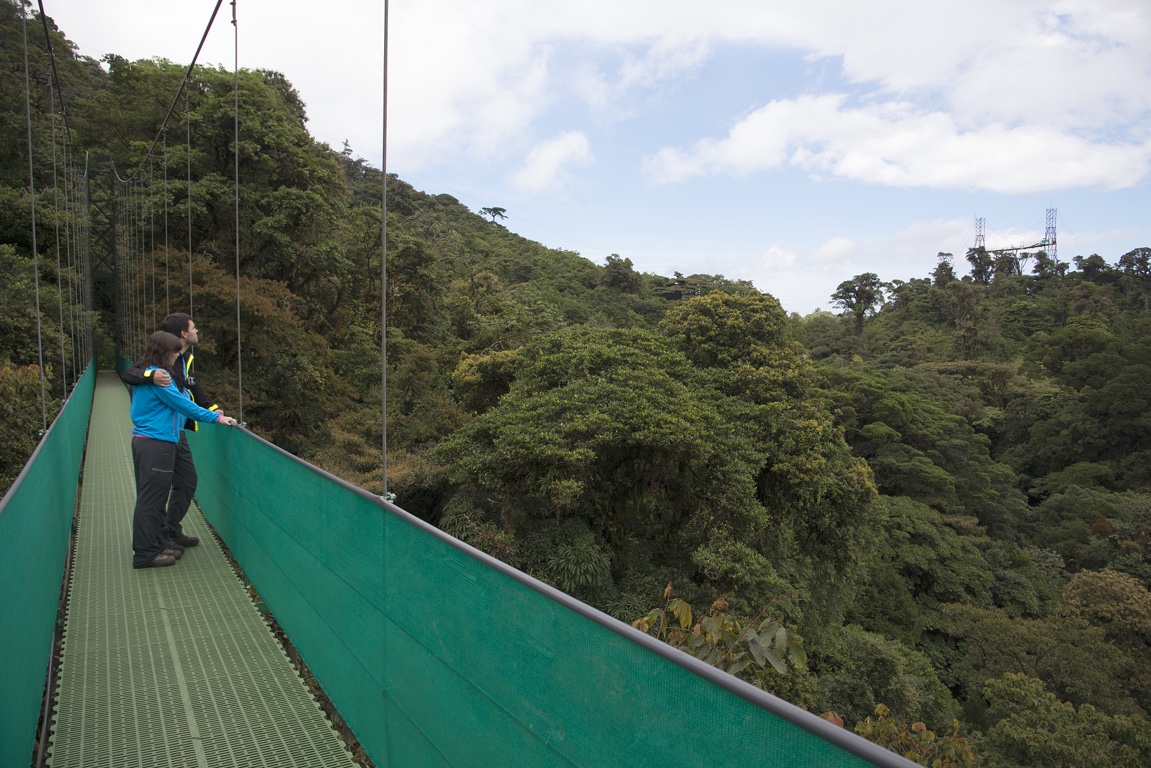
(184,474)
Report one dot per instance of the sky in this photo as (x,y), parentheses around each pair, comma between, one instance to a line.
(792,144)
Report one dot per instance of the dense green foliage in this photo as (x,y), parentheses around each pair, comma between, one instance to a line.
(933,510)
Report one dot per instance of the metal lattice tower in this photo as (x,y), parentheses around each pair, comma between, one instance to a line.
(1049,234)
(980,231)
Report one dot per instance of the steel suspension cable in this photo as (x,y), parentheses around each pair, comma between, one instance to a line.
(35,246)
(84,253)
(71,213)
(141,270)
(236,139)
(122,260)
(384,275)
(188,123)
(167,279)
(56,232)
(181,89)
(67,142)
(152,240)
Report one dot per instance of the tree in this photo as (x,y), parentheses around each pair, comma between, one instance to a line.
(859,670)
(1072,658)
(619,275)
(944,272)
(982,265)
(807,477)
(1032,727)
(1121,606)
(1095,269)
(494,213)
(860,296)
(749,333)
(919,564)
(608,430)
(1136,266)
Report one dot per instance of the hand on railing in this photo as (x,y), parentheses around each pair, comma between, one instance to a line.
(227,421)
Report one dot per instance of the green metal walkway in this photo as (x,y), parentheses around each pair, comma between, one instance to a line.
(169,666)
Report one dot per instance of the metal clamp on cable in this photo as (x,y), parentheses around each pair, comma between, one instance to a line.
(389,497)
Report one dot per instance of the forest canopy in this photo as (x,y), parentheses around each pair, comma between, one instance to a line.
(935,502)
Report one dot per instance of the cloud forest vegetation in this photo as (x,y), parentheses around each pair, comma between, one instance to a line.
(925,515)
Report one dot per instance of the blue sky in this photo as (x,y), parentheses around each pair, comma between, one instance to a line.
(791,144)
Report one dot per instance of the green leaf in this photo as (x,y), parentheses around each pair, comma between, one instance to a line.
(757,651)
(738,667)
(776,662)
(682,611)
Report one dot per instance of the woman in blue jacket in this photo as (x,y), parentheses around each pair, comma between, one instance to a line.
(158,415)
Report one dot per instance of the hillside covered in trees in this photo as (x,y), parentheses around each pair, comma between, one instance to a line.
(933,507)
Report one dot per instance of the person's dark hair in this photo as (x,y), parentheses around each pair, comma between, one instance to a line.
(175,323)
(159,348)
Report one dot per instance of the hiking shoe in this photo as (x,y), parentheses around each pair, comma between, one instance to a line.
(173,553)
(161,560)
(186,541)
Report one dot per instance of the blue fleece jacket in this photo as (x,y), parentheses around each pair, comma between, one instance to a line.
(159,412)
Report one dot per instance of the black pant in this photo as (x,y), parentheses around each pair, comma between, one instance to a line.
(183,489)
(154,461)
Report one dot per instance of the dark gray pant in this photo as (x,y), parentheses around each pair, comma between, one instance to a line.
(183,489)
(154,460)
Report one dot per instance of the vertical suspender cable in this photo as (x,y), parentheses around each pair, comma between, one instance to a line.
(56,231)
(152,239)
(384,275)
(167,284)
(122,262)
(188,124)
(141,251)
(85,254)
(236,139)
(132,232)
(142,234)
(126,258)
(35,247)
(55,80)
(71,214)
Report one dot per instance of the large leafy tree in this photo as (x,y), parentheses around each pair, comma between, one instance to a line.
(612,432)
(859,297)
(919,564)
(1033,727)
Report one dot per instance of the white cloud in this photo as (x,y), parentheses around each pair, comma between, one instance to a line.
(777,257)
(1010,97)
(1007,96)
(893,144)
(929,238)
(607,90)
(547,164)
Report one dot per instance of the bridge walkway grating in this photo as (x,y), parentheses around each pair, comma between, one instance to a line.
(169,666)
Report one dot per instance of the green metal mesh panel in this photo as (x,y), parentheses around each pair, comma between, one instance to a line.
(437,655)
(35,525)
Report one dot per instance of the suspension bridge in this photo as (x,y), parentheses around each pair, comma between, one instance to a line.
(425,651)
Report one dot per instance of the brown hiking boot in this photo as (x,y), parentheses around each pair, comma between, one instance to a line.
(159,561)
(173,552)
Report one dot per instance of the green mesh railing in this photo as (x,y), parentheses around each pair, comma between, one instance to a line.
(35,527)
(438,655)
